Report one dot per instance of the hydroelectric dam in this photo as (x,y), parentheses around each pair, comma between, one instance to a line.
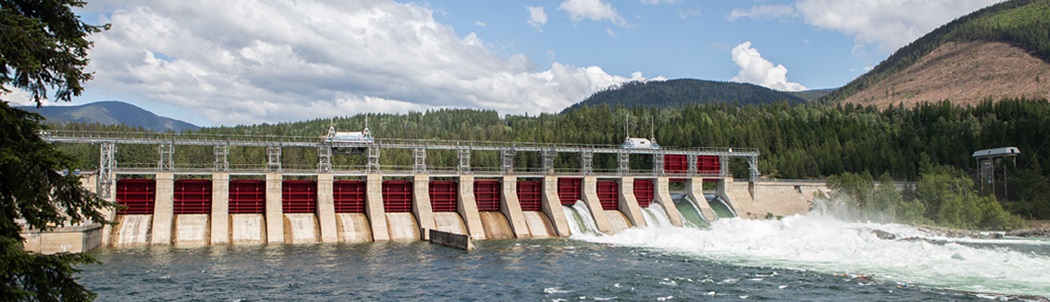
(172,203)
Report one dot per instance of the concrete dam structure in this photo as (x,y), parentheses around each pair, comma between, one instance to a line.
(270,204)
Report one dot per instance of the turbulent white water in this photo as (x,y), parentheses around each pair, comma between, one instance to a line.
(580,219)
(656,217)
(824,244)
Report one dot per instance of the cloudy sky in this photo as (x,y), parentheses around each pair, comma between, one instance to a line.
(245,62)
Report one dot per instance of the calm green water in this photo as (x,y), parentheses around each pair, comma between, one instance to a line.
(525,270)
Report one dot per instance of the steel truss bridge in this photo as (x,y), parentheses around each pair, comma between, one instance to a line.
(166,143)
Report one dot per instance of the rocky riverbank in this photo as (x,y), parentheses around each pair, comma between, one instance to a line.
(1042,231)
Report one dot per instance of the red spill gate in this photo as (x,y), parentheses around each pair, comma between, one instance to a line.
(192,196)
(247,196)
(530,195)
(643,192)
(609,194)
(570,190)
(443,194)
(349,196)
(708,164)
(487,193)
(397,196)
(676,163)
(299,196)
(138,195)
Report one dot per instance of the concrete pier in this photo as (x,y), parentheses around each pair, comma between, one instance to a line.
(220,208)
(694,188)
(552,206)
(590,198)
(326,208)
(663,198)
(511,207)
(421,208)
(163,208)
(628,204)
(467,207)
(374,207)
(274,212)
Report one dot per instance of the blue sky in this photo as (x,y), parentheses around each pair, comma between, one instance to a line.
(243,62)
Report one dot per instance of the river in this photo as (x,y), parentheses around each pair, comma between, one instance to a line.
(799,258)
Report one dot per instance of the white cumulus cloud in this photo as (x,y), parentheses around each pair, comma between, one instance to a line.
(594,10)
(885,25)
(757,70)
(537,17)
(246,62)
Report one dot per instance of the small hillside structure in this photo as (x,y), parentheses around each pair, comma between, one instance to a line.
(988,161)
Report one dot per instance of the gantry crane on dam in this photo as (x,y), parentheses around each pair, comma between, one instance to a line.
(666,161)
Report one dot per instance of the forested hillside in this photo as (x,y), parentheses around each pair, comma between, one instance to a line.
(681,92)
(1021,23)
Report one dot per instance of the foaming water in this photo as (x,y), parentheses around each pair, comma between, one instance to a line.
(655,216)
(827,245)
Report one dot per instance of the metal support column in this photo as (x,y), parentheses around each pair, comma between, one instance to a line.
(752,164)
(420,155)
(624,163)
(658,163)
(586,162)
(507,160)
(166,162)
(324,158)
(222,153)
(723,166)
(106,164)
(464,160)
(373,159)
(548,161)
(273,158)
(691,170)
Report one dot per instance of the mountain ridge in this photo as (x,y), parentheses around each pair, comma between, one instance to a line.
(110,113)
(679,92)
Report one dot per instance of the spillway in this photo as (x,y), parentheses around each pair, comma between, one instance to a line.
(301,228)
(191,229)
(247,229)
(353,227)
(133,230)
(655,216)
(690,213)
(496,225)
(449,222)
(539,225)
(402,226)
(580,219)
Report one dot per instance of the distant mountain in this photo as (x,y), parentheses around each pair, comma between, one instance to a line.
(1002,51)
(677,93)
(111,113)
